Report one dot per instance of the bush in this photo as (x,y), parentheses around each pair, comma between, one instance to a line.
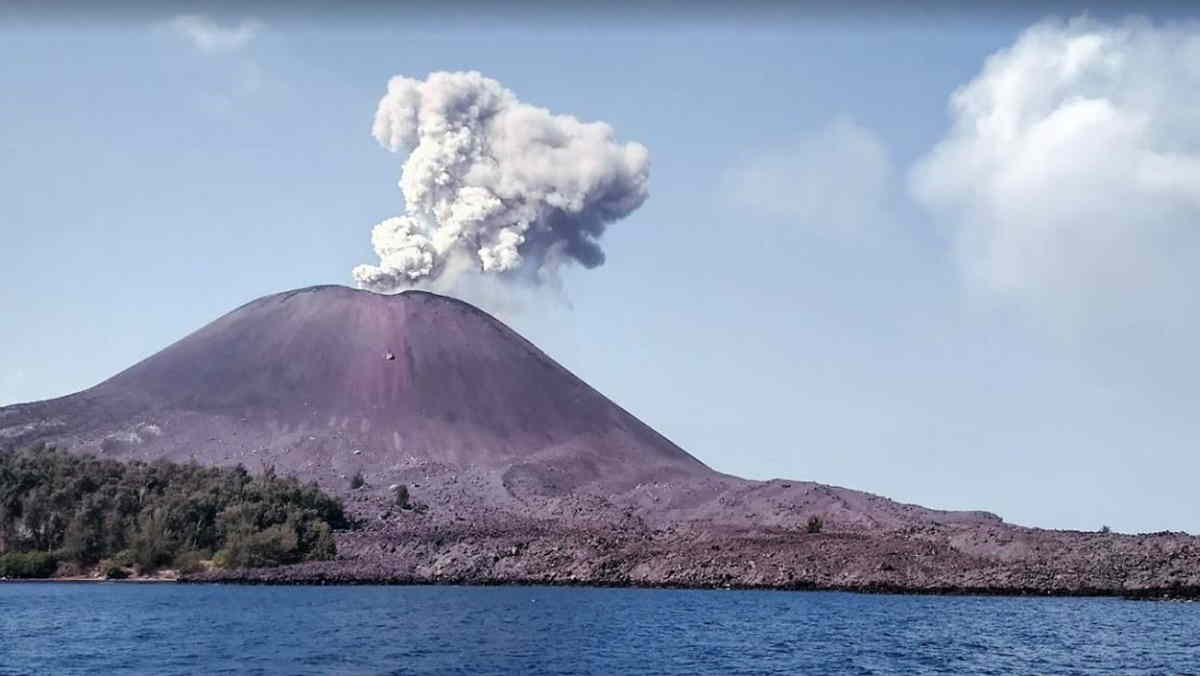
(1105,529)
(123,559)
(401,493)
(357,481)
(319,543)
(814,524)
(115,573)
(275,546)
(27,564)
(153,544)
(190,562)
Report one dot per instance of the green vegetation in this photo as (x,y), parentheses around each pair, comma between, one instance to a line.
(81,512)
(27,564)
(814,524)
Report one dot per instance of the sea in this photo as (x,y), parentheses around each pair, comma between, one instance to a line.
(128,628)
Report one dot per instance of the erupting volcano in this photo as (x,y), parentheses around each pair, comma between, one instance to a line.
(516,470)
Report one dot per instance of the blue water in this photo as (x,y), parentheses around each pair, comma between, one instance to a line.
(181,629)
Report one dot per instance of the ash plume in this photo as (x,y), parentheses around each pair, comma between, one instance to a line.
(495,185)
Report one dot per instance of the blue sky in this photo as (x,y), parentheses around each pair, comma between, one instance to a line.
(840,274)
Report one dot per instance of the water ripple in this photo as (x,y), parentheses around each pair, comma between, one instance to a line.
(541,631)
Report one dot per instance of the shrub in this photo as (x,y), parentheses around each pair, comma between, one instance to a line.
(814,524)
(153,544)
(27,564)
(401,493)
(274,546)
(1105,529)
(123,559)
(190,562)
(319,543)
(357,481)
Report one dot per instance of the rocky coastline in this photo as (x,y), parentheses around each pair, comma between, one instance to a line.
(1001,560)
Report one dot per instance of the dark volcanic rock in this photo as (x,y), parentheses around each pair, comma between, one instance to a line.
(875,561)
(517,471)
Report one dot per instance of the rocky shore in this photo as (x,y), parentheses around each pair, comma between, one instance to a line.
(995,559)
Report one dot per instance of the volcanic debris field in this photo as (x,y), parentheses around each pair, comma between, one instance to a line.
(482,460)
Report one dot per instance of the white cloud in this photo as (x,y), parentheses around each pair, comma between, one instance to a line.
(835,180)
(211,37)
(1071,175)
(231,43)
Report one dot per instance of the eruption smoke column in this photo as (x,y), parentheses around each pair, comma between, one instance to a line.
(508,186)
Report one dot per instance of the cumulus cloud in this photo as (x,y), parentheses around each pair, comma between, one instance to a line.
(835,180)
(494,185)
(1071,174)
(211,37)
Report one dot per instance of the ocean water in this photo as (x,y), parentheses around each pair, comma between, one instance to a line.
(183,629)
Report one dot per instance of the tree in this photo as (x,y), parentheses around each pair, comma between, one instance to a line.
(81,510)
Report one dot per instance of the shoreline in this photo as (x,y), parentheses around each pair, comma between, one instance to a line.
(1183,594)
(87,580)
(286,577)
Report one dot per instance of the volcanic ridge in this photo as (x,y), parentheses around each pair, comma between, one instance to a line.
(518,471)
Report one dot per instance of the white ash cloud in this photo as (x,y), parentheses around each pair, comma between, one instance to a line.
(509,187)
(1071,176)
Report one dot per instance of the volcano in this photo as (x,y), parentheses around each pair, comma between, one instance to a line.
(518,471)
(335,377)
(329,382)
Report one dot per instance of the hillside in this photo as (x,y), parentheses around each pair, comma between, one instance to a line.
(502,451)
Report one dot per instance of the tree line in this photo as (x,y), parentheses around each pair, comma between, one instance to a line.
(66,512)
